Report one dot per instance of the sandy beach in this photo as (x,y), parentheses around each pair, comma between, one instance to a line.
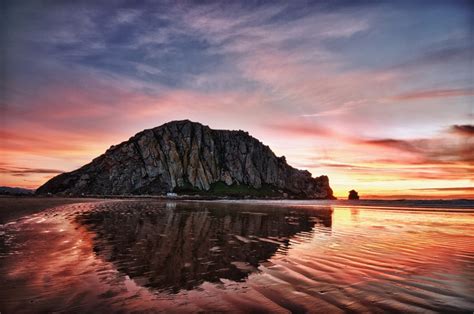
(145,255)
(15,207)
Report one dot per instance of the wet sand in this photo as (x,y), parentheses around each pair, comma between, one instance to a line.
(194,256)
(14,207)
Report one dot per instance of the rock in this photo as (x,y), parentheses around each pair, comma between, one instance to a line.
(353,195)
(187,154)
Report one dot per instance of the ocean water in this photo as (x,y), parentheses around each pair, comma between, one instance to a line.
(241,256)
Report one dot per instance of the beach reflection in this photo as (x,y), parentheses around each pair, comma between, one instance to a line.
(229,257)
(183,245)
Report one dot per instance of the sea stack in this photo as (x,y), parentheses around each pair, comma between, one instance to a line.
(185,156)
(353,195)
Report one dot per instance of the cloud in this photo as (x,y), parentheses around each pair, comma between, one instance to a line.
(23,171)
(393,143)
(448,52)
(299,129)
(431,150)
(438,149)
(434,94)
(461,188)
(126,16)
(345,108)
(464,130)
(397,170)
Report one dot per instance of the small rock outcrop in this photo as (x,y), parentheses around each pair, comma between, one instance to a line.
(185,155)
(353,195)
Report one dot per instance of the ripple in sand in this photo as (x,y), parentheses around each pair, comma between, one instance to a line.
(144,255)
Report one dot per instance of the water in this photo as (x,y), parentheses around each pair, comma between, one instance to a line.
(245,257)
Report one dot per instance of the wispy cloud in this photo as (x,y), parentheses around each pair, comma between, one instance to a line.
(299,129)
(23,172)
(433,94)
(461,188)
(393,143)
(437,149)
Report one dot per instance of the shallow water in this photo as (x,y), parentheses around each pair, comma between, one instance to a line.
(237,257)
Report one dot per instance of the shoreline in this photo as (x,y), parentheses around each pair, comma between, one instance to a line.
(239,198)
(16,207)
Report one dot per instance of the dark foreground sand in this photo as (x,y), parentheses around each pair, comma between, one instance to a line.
(14,207)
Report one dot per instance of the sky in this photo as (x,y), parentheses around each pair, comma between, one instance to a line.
(377,95)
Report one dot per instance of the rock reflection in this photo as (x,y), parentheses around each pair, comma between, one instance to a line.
(174,246)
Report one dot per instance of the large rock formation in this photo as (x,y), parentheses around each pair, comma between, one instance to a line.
(189,157)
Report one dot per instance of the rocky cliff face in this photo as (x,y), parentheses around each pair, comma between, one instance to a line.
(188,156)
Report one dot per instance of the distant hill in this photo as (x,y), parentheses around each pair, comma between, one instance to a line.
(190,158)
(6,190)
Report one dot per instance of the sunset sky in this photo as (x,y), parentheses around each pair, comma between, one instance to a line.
(376,95)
